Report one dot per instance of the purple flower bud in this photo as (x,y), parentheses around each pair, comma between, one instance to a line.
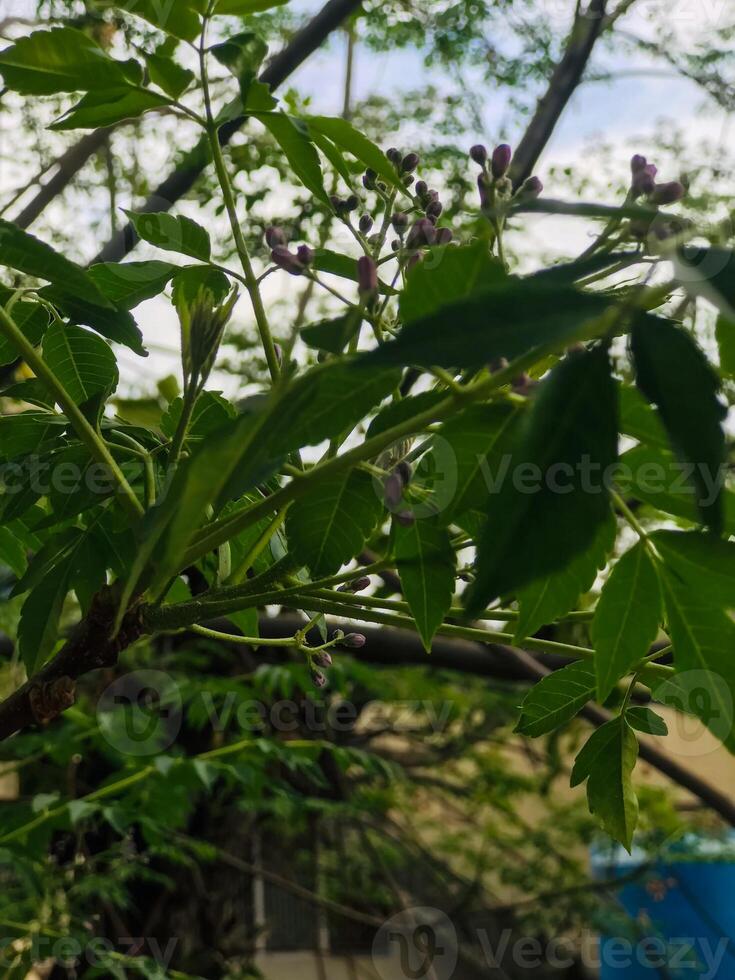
(305,254)
(318,679)
(278,350)
(395,244)
(366,223)
(444,236)
(352,203)
(637,163)
(639,227)
(394,155)
(285,259)
(422,233)
(406,518)
(532,187)
(368,179)
(409,163)
(404,471)
(644,181)
(399,222)
(367,276)
(392,490)
(336,202)
(668,193)
(421,188)
(360,584)
(500,160)
(413,260)
(275,236)
(479,154)
(434,209)
(322,659)
(408,179)
(354,641)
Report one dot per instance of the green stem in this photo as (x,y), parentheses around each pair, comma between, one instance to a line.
(253,641)
(251,556)
(84,430)
(177,443)
(251,280)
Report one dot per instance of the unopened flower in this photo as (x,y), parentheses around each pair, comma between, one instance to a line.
(500,160)
(483,185)
(318,679)
(394,155)
(406,518)
(369,179)
(409,163)
(354,641)
(637,163)
(322,659)
(365,224)
(305,254)
(285,259)
(275,236)
(479,154)
(392,490)
(421,188)
(367,277)
(668,193)
(422,233)
(444,236)
(400,222)
(434,209)
(644,180)
(531,188)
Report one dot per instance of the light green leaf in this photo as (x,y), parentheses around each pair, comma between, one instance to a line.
(725,331)
(350,140)
(639,420)
(556,699)
(426,564)
(549,598)
(108,107)
(189,280)
(242,8)
(329,526)
(293,137)
(63,60)
(344,266)
(174,233)
(168,75)
(607,761)
(32,319)
(453,274)
(627,618)
(175,17)
(553,499)
(82,361)
(211,412)
(667,362)
(127,284)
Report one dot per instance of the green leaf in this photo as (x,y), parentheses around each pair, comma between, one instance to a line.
(107,108)
(709,273)
(480,441)
(82,361)
(350,140)
(507,319)
(293,137)
(647,721)
(398,412)
(451,274)
(38,630)
(725,332)
(12,552)
(242,54)
(175,17)
(188,281)
(707,562)
(329,526)
(426,564)
(556,699)
(668,362)
(553,596)
(27,431)
(342,265)
(174,233)
(703,637)
(607,761)
(116,325)
(25,253)
(242,8)
(334,155)
(168,75)
(127,284)
(31,319)
(639,420)
(627,618)
(552,501)
(62,60)
(211,412)
(332,335)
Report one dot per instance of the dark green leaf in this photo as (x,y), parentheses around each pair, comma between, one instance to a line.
(710,273)
(507,320)
(243,8)
(116,325)
(62,60)
(332,335)
(293,137)
(211,412)
(108,107)
(553,500)
(398,412)
(30,318)
(342,265)
(329,526)
(175,17)
(82,361)
(168,76)
(24,252)
(627,618)
(607,761)
(38,629)
(556,699)
(447,275)
(726,343)
(347,138)
(647,721)
(27,431)
(667,363)
(12,552)
(243,55)
(426,564)
(639,420)
(126,284)
(553,596)
(174,233)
